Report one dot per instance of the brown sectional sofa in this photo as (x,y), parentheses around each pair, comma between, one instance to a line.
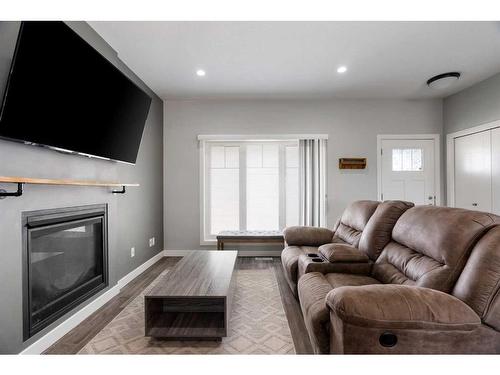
(431,285)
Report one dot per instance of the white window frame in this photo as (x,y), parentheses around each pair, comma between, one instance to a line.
(205,224)
(205,237)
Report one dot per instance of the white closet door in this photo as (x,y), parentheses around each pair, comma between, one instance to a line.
(473,171)
(495,170)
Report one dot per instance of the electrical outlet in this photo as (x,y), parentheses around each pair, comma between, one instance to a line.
(132,252)
(151,242)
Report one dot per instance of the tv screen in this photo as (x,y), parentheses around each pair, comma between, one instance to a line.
(64,94)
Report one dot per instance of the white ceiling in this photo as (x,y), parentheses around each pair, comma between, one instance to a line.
(300,59)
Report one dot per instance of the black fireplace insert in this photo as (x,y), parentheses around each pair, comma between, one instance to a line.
(65,262)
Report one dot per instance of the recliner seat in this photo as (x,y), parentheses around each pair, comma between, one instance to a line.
(302,240)
(355,243)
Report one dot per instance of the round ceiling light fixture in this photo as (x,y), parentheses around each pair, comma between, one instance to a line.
(200,73)
(342,69)
(443,81)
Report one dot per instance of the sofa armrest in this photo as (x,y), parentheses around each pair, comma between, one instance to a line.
(401,307)
(400,319)
(307,236)
(307,264)
(342,253)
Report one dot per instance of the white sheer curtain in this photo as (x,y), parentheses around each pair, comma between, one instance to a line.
(312,172)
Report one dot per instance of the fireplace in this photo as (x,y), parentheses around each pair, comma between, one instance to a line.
(65,262)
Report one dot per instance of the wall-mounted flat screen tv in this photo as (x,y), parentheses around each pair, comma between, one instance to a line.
(62,93)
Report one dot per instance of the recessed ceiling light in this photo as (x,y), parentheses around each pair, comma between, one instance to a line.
(443,81)
(342,69)
(200,73)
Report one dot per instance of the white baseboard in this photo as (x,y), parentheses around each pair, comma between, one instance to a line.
(136,272)
(241,253)
(176,253)
(56,333)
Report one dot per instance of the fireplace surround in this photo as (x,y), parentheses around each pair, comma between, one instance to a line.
(65,262)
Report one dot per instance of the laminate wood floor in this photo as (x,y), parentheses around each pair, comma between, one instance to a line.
(78,337)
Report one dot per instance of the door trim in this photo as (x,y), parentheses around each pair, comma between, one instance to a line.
(437,159)
(450,155)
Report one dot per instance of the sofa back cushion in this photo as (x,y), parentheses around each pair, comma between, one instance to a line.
(430,246)
(348,229)
(479,283)
(378,231)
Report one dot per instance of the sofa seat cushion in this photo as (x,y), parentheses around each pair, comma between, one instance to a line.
(401,307)
(342,253)
(312,290)
(289,261)
(336,280)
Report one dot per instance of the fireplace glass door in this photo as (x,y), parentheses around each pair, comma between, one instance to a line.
(66,261)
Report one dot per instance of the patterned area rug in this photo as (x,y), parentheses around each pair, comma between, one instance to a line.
(258,324)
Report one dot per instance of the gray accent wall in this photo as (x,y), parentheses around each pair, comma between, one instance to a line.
(352,126)
(479,104)
(133,217)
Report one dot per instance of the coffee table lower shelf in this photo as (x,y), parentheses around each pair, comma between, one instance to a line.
(186,319)
(187,326)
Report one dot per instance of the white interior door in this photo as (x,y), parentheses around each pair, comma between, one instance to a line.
(495,170)
(473,171)
(408,170)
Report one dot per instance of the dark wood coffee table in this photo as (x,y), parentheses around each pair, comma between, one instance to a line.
(193,300)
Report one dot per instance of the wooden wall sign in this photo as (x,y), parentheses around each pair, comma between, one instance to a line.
(352,163)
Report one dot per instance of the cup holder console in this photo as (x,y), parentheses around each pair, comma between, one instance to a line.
(312,255)
(317,260)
